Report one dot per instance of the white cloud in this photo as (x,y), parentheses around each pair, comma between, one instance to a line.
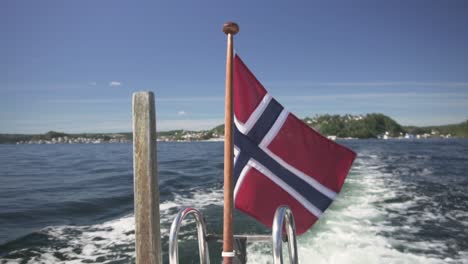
(188,124)
(181,113)
(190,99)
(87,100)
(374,84)
(396,84)
(115,83)
(362,96)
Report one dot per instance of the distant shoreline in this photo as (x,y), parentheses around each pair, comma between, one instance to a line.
(219,141)
(334,127)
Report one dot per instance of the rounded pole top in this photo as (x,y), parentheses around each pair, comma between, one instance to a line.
(230,28)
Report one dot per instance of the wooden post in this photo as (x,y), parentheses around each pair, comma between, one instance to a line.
(229,29)
(146,187)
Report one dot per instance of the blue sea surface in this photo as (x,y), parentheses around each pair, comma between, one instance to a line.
(404,201)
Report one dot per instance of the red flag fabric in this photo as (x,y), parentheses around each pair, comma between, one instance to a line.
(280,160)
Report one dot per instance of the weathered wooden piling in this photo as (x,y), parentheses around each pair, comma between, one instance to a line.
(146,187)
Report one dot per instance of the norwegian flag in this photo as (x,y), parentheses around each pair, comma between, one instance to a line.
(279,160)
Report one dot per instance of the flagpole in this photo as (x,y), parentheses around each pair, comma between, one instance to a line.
(230,29)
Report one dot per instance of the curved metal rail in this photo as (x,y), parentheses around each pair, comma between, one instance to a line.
(282,213)
(201,231)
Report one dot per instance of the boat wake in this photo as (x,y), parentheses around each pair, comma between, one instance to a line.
(385,213)
(108,242)
(359,226)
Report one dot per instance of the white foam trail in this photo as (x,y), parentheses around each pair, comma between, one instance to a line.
(90,242)
(350,230)
(198,199)
(113,240)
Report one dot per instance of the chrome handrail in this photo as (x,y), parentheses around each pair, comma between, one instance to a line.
(201,231)
(283,212)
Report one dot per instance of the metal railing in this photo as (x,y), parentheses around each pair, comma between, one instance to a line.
(282,213)
(201,231)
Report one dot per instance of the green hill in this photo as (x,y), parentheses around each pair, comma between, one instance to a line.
(14,138)
(456,130)
(342,126)
(372,125)
(355,126)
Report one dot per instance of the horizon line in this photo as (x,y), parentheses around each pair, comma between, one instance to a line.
(198,130)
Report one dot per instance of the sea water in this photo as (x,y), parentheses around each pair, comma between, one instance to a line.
(404,201)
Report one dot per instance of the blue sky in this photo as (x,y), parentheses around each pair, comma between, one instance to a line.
(72,66)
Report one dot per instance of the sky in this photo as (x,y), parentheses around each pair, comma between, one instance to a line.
(72,66)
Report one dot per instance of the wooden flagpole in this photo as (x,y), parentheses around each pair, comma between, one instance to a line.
(230,29)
